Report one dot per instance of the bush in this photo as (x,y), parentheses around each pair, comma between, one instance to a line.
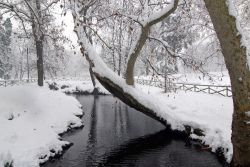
(8,164)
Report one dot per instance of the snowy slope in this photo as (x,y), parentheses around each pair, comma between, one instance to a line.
(31,119)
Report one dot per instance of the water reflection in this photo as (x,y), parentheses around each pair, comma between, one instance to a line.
(117,135)
(92,134)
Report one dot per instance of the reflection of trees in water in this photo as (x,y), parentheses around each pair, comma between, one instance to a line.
(121,119)
(137,152)
(130,151)
(121,128)
(92,136)
(138,146)
(159,148)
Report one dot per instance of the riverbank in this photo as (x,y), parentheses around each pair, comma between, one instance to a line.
(31,120)
(210,113)
(133,139)
(77,87)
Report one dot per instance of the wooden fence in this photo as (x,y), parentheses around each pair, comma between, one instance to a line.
(224,90)
(13,82)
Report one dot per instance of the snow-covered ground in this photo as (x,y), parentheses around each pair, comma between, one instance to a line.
(31,119)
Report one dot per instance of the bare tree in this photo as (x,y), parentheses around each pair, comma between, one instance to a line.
(36,14)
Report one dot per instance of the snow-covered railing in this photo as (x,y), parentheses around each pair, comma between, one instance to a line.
(69,79)
(224,90)
(12,82)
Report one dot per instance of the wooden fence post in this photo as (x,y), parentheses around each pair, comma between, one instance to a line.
(227,91)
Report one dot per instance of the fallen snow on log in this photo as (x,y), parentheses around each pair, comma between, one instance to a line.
(31,119)
(245,38)
(211,114)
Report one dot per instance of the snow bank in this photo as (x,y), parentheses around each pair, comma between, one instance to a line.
(211,113)
(76,87)
(31,119)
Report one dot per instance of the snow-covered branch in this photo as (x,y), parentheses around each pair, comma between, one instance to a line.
(145,30)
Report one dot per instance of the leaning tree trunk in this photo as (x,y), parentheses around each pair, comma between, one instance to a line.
(92,77)
(236,62)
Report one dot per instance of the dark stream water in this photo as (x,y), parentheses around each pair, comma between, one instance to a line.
(117,135)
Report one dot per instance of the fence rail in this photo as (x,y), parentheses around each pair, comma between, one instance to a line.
(13,82)
(224,90)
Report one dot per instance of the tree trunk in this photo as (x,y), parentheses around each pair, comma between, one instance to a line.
(113,48)
(145,29)
(92,77)
(40,70)
(135,53)
(88,35)
(236,62)
(120,50)
(38,39)
(28,65)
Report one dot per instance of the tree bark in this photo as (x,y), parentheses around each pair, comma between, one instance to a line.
(38,39)
(145,29)
(135,53)
(28,65)
(236,62)
(88,35)
(40,69)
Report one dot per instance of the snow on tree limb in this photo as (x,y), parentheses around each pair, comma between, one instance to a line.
(143,35)
(233,12)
